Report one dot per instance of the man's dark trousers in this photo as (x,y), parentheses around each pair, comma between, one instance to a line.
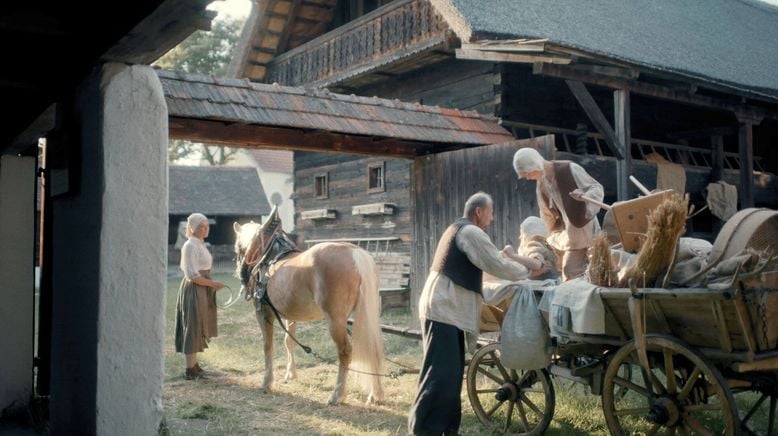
(437,408)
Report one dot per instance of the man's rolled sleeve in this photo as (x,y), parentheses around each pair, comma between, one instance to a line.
(475,243)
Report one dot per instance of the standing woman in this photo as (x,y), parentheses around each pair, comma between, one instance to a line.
(196,307)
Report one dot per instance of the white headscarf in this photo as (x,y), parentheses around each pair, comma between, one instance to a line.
(533,226)
(527,160)
(194,220)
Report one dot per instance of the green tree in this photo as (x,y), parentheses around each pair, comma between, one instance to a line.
(207,53)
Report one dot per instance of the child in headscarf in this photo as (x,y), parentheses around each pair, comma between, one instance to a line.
(535,254)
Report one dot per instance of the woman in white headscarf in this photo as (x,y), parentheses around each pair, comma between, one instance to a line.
(196,307)
(571,221)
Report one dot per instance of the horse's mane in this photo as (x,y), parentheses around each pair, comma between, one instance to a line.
(246,235)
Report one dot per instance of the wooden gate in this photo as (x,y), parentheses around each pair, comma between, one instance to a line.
(441,183)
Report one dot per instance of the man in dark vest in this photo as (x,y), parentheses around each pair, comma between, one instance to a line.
(450,305)
(572,222)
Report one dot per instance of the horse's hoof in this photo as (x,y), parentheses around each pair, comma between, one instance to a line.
(334,400)
(374,401)
(290,376)
(266,389)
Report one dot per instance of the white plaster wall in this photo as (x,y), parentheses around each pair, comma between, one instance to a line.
(284,185)
(109,257)
(133,252)
(17,280)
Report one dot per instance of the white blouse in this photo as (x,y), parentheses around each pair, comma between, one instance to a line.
(195,257)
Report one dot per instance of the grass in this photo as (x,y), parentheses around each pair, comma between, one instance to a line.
(231,403)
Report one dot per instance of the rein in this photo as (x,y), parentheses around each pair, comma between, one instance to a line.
(280,242)
(392,375)
(232,300)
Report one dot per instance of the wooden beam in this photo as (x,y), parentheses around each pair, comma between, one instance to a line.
(717,158)
(491,56)
(746,148)
(271,51)
(169,24)
(283,38)
(599,120)
(622,121)
(538,47)
(706,132)
(617,72)
(256,136)
(651,90)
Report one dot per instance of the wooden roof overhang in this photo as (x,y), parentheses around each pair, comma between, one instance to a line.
(239,113)
(74,42)
(286,41)
(553,60)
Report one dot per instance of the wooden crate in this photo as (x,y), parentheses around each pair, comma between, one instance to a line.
(631,218)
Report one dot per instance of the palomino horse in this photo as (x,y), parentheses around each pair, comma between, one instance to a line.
(329,280)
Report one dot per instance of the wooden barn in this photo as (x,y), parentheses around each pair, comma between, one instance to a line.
(623,89)
(225,195)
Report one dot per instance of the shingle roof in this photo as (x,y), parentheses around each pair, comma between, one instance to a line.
(216,191)
(274,161)
(241,101)
(733,43)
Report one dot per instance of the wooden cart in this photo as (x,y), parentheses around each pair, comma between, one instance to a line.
(671,361)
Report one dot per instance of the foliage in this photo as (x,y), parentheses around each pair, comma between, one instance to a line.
(207,53)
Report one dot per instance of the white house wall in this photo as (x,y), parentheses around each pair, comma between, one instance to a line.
(17,281)
(284,185)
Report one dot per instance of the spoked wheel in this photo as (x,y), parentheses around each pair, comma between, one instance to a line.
(681,394)
(757,412)
(507,400)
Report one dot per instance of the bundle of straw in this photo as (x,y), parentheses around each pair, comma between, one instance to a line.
(666,224)
(600,270)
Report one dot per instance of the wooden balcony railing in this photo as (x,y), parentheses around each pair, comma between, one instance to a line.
(595,144)
(387,34)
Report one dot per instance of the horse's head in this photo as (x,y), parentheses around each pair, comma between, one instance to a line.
(251,241)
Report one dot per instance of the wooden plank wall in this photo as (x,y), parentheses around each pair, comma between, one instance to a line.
(467,85)
(441,185)
(347,188)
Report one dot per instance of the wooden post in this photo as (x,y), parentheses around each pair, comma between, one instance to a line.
(717,157)
(746,147)
(594,113)
(622,123)
(716,172)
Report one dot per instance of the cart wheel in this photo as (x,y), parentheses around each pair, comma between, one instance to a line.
(507,400)
(682,394)
(757,412)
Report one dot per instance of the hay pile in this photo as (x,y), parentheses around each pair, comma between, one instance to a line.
(666,224)
(600,270)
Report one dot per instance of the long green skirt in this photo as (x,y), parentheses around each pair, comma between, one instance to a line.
(195,316)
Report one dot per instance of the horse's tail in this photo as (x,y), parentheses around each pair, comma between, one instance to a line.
(366,337)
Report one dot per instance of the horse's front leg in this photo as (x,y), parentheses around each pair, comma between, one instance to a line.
(343,344)
(291,369)
(265,320)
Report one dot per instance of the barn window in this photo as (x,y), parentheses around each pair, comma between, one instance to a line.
(375,177)
(321,186)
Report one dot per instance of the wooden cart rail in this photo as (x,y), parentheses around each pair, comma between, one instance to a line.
(729,324)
